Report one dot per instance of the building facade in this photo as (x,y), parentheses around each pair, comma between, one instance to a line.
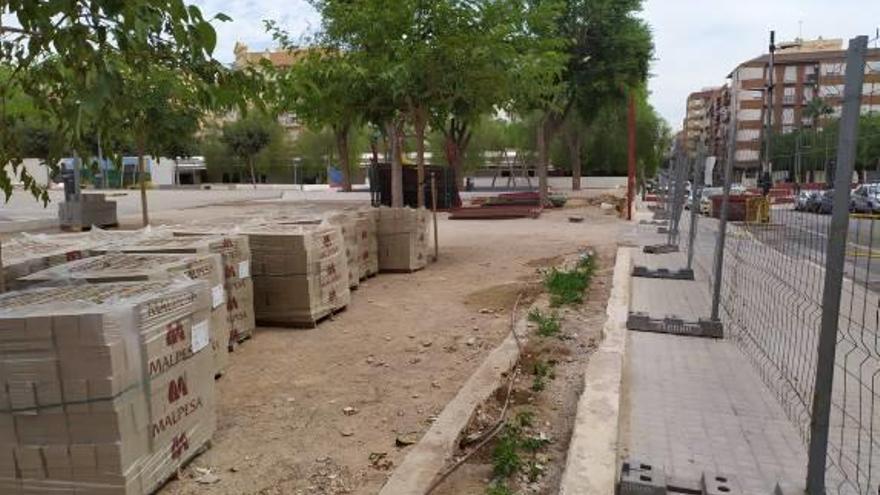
(806,75)
(697,120)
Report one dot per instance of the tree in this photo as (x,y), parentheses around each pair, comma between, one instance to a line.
(606,50)
(66,57)
(246,138)
(324,89)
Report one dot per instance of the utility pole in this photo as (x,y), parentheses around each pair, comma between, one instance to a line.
(768,164)
(768,132)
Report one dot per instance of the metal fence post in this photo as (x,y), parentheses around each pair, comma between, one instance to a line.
(673,200)
(834,261)
(696,195)
(680,197)
(725,201)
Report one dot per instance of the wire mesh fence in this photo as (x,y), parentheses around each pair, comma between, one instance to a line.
(771,303)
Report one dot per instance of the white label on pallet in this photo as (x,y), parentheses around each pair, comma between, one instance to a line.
(201,336)
(244,269)
(218,295)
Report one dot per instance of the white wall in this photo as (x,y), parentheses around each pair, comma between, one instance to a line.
(162,171)
(34,167)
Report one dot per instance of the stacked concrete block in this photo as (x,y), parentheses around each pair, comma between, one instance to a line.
(366,226)
(300,273)
(347,222)
(106,389)
(133,267)
(403,239)
(89,210)
(299,269)
(236,258)
(28,254)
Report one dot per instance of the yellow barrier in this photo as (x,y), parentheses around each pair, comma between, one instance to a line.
(758,210)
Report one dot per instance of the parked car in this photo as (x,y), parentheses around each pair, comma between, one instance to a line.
(706,199)
(865,199)
(802,202)
(825,202)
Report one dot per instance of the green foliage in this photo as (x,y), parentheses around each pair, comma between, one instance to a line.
(74,62)
(605,140)
(514,451)
(246,138)
(817,147)
(542,371)
(548,324)
(275,160)
(505,456)
(569,286)
(498,488)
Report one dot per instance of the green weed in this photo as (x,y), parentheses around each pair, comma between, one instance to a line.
(542,372)
(569,287)
(548,324)
(505,456)
(498,489)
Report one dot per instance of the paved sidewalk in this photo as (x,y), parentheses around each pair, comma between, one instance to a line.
(693,405)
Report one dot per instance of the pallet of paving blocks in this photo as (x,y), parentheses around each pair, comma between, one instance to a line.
(347,223)
(402,239)
(300,273)
(366,228)
(236,256)
(26,254)
(136,267)
(106,389)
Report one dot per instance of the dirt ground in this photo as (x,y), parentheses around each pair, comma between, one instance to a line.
(396,356)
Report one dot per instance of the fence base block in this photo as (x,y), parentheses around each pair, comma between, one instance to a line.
(641,478)
(680,274)
(652,222)
(641,322)
(660,249)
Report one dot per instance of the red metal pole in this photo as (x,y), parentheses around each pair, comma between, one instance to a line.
(631,179)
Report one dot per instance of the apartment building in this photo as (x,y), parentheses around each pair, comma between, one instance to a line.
(279,59)
(803,71)
(697,120)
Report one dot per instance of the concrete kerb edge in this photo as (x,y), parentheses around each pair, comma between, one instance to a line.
(434,450)
(591,464)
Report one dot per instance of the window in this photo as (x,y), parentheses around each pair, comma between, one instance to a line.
(833,68)
(791,74)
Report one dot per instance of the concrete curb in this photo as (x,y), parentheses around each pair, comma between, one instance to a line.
(427,458)
(591,464)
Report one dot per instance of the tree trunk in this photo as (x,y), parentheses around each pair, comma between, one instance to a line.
(420,121)
(344,160)
(142,179)
(252,166)
(543,161)
(547,128)
(452,150)
(396,165)
(574,139)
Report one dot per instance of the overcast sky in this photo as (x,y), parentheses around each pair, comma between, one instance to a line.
(698,42)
